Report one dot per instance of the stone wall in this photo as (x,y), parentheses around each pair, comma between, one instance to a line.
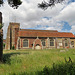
(34,41)
(11,38)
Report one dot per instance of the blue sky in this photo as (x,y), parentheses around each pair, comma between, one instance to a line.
(61,17)
(66,26)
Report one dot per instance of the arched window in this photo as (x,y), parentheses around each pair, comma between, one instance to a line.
(66,42)
(72,42)
(25,43)
(43,42)
(60,42)
(51,42)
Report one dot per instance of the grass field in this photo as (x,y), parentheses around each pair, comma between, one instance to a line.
(30,61)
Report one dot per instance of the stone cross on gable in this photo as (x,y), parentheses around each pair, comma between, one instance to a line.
(37,37)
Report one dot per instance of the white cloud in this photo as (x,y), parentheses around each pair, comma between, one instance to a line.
(29,15)
(73,29)
(53,28)
(68,14)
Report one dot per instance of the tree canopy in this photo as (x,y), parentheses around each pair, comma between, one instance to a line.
(12,3)
(44,5)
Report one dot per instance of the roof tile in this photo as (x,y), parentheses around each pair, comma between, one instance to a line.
(44,33)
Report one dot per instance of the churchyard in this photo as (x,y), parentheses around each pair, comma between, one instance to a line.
(33,62)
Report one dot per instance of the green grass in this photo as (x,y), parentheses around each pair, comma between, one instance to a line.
(30,61)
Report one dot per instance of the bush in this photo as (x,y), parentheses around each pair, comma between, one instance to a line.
(1,25)
(4,45)
(13,47)
(67,68)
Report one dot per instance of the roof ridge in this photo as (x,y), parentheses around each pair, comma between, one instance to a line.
(38,30)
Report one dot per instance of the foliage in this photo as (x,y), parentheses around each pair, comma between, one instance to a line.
(1,1)
(1,25)
(44,5)
(67,68)
(13,47)
(12,3)
(61,69)
(3,45)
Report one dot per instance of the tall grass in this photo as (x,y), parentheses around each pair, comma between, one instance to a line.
(33,62)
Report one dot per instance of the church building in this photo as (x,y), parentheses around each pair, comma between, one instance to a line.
(37,39)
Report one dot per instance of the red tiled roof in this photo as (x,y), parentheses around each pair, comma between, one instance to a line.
(44,33)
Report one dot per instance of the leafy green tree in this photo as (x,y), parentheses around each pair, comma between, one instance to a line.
(12,3)
(44,5)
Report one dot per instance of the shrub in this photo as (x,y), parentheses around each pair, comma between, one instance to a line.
(67,68)
(4,45)
(13,47)
(1,25)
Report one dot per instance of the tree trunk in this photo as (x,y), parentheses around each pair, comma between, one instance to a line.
(1,39)
(1,45)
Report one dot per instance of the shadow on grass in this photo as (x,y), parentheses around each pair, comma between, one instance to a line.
(6,57)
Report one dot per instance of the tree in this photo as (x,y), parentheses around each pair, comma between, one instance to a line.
(44,5)
(1,45)
(15,4)
(12,3)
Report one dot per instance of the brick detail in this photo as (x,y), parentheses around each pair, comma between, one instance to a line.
(12,35)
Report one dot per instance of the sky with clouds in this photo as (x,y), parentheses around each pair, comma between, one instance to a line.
(61,17)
